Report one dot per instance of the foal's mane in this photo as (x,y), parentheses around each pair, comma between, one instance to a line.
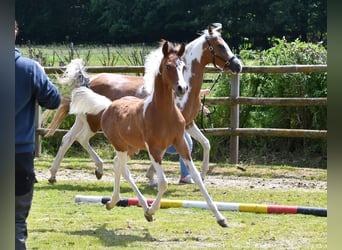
(152,64)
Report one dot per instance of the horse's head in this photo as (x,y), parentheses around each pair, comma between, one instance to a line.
(219,52)
(172,67)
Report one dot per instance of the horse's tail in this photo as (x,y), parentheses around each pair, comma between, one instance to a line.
(75,74)
(86,101)
(61,113)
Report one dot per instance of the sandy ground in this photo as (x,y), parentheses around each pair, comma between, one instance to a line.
(291,181)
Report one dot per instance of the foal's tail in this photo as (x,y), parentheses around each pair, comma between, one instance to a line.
(86,101)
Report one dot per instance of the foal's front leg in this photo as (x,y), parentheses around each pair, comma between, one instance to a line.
(162,187)
(195,175)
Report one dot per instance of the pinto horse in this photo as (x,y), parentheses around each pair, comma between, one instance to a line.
(208,48)
(153,124)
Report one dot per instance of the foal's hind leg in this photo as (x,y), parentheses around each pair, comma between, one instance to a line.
(116,187)
(196,133)
(120,168)
(83,138)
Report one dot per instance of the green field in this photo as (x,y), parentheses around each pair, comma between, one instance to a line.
(58,55)
(57,222)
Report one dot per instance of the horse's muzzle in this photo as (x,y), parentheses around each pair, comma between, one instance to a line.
(235,65)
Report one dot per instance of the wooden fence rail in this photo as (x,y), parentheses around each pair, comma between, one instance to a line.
(233,101)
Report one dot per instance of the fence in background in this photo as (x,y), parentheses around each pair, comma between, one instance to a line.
(234,100)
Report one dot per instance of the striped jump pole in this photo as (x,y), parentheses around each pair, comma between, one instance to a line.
(222,206)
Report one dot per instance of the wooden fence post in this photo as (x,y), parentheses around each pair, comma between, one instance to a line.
(38,137)
(234,119)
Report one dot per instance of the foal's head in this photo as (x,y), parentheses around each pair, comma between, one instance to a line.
(166,64)
(172,67)
(219,52)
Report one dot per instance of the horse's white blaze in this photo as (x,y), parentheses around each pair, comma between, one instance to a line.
(181,79)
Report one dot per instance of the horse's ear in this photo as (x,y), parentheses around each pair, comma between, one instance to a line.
(181,50)
(217,26)
(210,31)
(165,48)
(161,42)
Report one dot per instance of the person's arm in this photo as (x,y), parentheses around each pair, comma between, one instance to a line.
(46,92)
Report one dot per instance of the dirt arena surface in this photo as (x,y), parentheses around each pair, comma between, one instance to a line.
(218,176)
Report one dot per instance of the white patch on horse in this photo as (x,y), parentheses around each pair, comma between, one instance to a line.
(181,80)
(147,102)
(196,54)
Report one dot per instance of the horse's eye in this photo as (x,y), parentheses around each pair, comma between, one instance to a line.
(221,47)
(168,67)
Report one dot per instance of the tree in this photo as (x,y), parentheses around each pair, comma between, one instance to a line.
(245,22)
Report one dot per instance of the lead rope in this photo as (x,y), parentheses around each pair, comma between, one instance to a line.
(203,103)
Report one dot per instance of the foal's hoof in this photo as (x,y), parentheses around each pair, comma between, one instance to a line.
(148,217)
(222,223)
(52,180)
(109,206)
(98,174)
(203,176)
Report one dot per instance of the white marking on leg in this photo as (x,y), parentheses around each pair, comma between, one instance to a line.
(198,180)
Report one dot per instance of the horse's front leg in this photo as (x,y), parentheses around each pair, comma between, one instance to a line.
(196,133)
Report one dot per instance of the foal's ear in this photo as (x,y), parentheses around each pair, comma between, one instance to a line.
(165,48)
(181,50)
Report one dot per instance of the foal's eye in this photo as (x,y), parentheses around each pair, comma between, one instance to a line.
(168,67)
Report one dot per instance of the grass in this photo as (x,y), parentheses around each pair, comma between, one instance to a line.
(57,222)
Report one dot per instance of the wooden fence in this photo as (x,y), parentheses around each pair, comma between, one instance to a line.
(234,100)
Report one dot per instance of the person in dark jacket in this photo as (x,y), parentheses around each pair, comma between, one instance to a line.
(32,86)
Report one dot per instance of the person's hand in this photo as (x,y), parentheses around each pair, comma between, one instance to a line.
(204,91)
(205,110)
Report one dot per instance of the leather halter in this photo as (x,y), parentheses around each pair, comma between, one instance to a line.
(212,51)
(84,80)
